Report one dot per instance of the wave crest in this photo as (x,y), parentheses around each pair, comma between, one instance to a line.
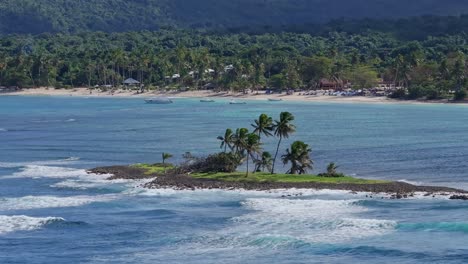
(435,227)
(35,202)
(64,161)
(294,222)
(14,223)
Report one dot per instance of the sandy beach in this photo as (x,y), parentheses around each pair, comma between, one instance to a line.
(84,92)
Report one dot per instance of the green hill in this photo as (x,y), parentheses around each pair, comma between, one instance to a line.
(38,16)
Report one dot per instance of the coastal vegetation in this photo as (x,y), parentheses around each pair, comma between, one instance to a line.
(244,147)
(156,168)
(433,67)
(258,177)
(282,177)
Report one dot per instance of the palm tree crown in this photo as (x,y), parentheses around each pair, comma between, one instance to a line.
(227,139)
(263,125)
(264,162)
(299,157)
(239,140)
(251,146)
(282,129)
(165,156)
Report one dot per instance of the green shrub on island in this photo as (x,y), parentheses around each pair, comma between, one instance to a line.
(332,171)
(156,168)
(219,162)
(264,162)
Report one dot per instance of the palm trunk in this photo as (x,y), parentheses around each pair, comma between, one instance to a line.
(276,154)
(247,173)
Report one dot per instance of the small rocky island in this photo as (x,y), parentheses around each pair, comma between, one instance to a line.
(396,190)
(242,147)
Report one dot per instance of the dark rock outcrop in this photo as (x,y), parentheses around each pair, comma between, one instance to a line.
(459,197)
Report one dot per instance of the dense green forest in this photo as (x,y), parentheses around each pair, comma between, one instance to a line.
(236,44)
(428,68)
(72,16)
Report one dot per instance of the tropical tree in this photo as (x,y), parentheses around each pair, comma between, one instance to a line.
(283,128)
(332,169)
(263,125)
(299,157)
(265,162)
(226,140)
(252,145)
(239,140)
(165,156)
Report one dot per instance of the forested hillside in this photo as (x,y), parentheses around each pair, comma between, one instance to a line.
(38,16)
(428,68)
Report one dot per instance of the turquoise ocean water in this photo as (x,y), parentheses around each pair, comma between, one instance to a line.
(51,211)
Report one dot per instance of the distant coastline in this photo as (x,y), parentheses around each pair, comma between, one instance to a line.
(84,92)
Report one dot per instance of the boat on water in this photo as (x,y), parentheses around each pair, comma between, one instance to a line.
(275,99)
(207,100)
(159,100)
(234,102)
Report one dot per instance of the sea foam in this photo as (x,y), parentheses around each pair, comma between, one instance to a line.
(40,171)
(461,227)
(57,162)
(14,223)
(35,202)
(280,222)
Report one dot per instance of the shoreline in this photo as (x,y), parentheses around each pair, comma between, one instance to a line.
(394,190)
(85,93)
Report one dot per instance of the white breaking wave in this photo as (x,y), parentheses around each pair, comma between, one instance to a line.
(410,182)
(3,129)
(41,171)
(54,120)
(35,202)
(91,181)
(24,223)
(65,161)
(280,222)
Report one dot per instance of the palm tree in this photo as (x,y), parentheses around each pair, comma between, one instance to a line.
(264,163)
(299,157)
(331,169)
(264,125)
(239,140)
(283,128)
(227,140)
(165,156)
(251,146)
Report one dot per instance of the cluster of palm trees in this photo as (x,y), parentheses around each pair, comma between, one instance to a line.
(248,145)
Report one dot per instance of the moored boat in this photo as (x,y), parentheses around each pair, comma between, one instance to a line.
(275,99)
(234,102)
(159,100)
(207,100)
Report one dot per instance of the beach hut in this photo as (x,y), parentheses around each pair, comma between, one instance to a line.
(131,82)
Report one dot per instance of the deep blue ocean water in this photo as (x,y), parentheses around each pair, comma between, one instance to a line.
(51,211)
